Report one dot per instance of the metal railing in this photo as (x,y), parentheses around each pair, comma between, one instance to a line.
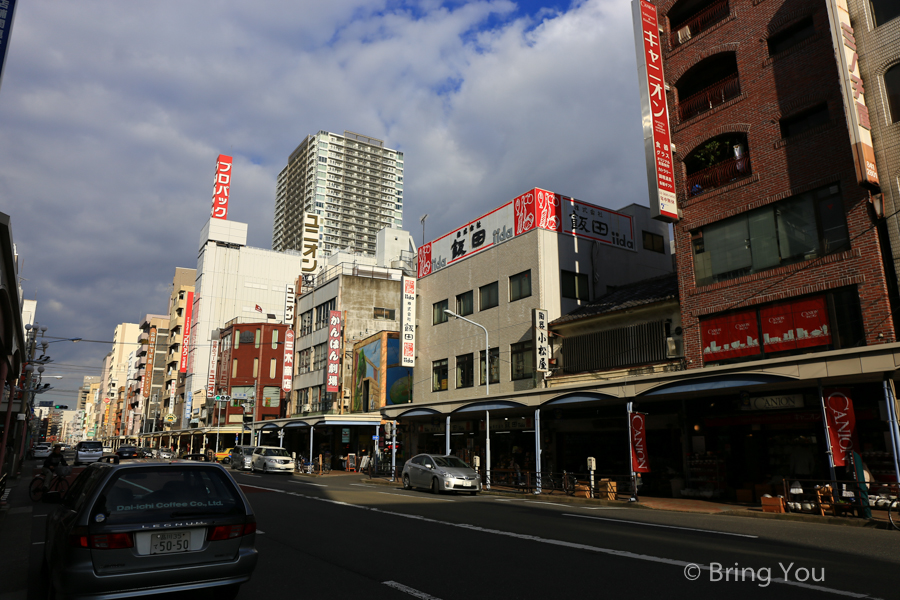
(698,22)
(719,174)
(709,97)
(584,485)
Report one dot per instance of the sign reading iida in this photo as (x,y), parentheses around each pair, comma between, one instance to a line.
(408,323)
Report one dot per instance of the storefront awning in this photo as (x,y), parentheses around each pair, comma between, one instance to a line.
(579,398)
(721,382)
(489,405)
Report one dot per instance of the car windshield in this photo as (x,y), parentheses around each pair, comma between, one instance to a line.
(127,448)
(247,451)
(451,462)
(91,446)
(276,452)
(170,492)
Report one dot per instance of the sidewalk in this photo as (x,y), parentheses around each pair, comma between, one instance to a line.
(15,539)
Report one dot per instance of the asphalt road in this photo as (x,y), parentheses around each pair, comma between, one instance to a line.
(341,536)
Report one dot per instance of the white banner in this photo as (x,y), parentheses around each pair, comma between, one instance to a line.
(408,323)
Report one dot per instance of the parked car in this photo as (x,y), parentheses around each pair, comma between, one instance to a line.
(166,454)
(128,452)
(129,529)
(224,456)
(440,473)
(107,450)
(41,451)
(88,452)
(271,459)
(197,457)
(241,457)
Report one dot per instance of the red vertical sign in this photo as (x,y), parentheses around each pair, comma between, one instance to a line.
(287,373)
(186,332)
(332,374)
(640,460)
(221,187)
(841,424)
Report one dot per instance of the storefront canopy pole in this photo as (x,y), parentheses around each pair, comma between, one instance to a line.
(311,428)
(892,421)
(537,450)
(447,436)
(827,438)
(393,449)
(487,449)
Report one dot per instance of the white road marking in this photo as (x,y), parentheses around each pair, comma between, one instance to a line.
(411,591)
(260,531)
(664,526)
(552,542)
(364,485)
(550,503)
(36,543)
(307,483)
(422,497)
(36,516)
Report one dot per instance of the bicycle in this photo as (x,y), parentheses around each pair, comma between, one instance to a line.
(569,483)
(894,514)
(57,484)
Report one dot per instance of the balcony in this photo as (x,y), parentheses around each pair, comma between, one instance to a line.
(719,174)
(710,97)
(695,23)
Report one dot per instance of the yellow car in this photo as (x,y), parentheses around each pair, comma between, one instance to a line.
(224,456)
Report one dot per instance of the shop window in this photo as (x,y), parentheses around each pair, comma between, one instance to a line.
(488,296)
(465,371)
(495,365)
(439,375)
(521,357)
(464,304)
(520,286)
(892,87)
(575,285)
(804,121)
(654,242)
(799,228)
(884,11)
(791,36)
(438,314)
(388,314)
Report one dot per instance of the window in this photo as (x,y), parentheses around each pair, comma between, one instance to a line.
(800,228)
(791,36)
(464,304)
(322,313)
(520,286)
(256,367)
(892,87)
(495,365)
(654,242)
(884,11)
(258,339)
(272,367)
(234,368)
(386,313)
(489,296)
(274,339)
(521,359)
(305,323)
(237,338)
(320,354)
(438,314)
(303,360)
(465,372)
(271,396)
(575,285)
(804,121)
(439,375)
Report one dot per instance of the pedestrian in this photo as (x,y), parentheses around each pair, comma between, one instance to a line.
(52,464)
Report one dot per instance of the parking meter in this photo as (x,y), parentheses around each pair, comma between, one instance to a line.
(591,463)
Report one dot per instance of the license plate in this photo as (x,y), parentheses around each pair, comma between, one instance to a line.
(170,543)
(467,484)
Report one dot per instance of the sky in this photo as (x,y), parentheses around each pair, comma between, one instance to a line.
(112,115)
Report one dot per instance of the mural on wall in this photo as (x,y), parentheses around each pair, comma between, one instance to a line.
(378,377)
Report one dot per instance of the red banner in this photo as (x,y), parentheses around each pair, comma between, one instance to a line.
(797,324)
(221,187)
(640,460)
(841,424)
(287,373)
(186,332)
(730,336)
(332,375)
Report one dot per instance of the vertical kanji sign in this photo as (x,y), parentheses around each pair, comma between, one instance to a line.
(186,332)
(654,112)
(221,187)
(333,370)
(287,367)
(213,363)
(408,323)
(541,340)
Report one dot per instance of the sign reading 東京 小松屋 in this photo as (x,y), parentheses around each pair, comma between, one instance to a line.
(221,187)
(654,112)
(541,340)
(408,323)
(535,209)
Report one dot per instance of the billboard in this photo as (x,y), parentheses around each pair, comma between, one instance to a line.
(408,323)
(186,332)
(147,379)
(220,187)
(312,227)
(211,377)
(535,209)
(654,113)
(333,363)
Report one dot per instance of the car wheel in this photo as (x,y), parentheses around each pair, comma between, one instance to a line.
(435,489)
(473,493)
(406,484)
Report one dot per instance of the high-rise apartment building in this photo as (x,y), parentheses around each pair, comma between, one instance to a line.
(180,304)
(352,182)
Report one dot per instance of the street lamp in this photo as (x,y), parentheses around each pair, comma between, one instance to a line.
(487,350)
(425,216)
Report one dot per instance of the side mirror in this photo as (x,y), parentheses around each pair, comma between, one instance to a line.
(429,465)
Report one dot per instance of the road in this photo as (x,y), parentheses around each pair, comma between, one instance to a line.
(341,536)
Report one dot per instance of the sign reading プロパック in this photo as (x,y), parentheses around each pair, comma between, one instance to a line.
(541,340)
(408,323)
(535,209)
(220,187)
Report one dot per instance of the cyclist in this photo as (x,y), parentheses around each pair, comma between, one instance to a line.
(53,461)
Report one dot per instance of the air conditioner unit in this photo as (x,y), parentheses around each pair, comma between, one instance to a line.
(307,408)
(684,34)
(346,403)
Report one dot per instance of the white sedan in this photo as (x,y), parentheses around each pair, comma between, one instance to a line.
(271,459)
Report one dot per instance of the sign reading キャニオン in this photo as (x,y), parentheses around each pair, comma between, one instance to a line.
(536,209)
(221,187)
(408,323)
(654,112)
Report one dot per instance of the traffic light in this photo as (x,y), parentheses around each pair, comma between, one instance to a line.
(61,406)
(218,398)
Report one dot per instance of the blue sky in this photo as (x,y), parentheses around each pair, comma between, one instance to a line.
(112,115)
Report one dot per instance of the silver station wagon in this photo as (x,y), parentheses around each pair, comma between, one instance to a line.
(125,530)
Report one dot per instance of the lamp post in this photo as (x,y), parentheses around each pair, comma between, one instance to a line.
(422,220)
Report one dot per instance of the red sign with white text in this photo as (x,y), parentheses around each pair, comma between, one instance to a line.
(221,187)
(186,332)
(333,372)
(287,370)
(796,324)
(730,336)
(640,460)
(841,424)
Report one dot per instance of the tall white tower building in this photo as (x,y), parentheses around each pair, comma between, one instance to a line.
(351,181)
